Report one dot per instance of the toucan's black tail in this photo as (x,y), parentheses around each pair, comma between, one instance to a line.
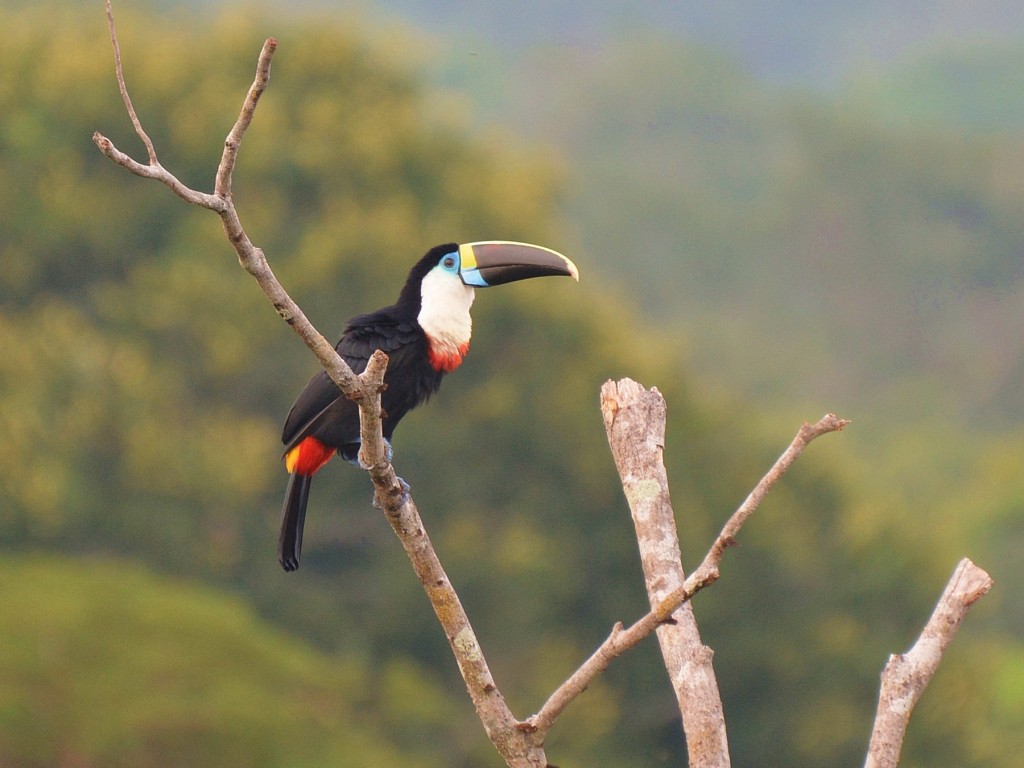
(293,516)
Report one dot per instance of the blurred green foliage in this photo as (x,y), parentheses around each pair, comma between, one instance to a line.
(143,378)
(103,663)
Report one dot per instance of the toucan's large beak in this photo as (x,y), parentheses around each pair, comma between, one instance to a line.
(495,262)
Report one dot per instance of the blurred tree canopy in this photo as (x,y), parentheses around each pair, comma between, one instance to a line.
(143,378)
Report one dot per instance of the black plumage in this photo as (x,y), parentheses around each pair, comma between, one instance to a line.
(321,410)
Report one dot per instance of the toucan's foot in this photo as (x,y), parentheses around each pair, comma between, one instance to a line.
(388,452)
(403,497)
(350,453)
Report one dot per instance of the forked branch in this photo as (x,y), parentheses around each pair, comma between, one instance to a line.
(615,399)
(221,202)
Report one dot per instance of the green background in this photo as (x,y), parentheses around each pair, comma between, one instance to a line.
(759,247)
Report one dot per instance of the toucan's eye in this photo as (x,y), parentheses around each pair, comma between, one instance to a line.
(448,262)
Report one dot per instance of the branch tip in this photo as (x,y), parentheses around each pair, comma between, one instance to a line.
(906,675)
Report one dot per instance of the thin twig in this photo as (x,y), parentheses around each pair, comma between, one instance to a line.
(808,432)
(372,453)
(150,149)
(222,186)
(158,172)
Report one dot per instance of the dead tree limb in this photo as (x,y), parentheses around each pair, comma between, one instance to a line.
(635,422)
(622,639)
(906,675)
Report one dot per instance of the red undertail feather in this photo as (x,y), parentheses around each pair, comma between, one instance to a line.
(446,359)
(308,457)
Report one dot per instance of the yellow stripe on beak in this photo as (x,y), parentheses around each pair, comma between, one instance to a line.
(467,259)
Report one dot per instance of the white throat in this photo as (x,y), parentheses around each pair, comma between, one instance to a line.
(444,311)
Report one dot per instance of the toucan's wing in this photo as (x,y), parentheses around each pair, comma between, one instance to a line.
(385,330)
(321,409)
(309,409)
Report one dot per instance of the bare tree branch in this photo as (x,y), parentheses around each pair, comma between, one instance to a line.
(635,422)
(907,675)
(520,747)
(808,432)
(620,639)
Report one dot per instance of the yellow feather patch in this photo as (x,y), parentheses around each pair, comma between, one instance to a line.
(291,458)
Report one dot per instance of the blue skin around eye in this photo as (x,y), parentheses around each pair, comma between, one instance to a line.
(468,276)
(455,262)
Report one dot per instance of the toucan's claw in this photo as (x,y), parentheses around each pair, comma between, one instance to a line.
(389,453)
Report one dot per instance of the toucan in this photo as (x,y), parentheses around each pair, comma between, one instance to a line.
(425,335)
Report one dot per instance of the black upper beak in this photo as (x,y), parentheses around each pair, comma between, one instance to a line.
(495,262)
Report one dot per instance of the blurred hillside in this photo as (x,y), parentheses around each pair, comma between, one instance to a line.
(143,379)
